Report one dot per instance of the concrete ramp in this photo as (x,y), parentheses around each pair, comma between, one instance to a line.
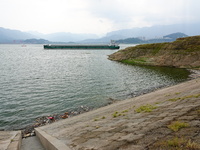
(10,140)
(127,125)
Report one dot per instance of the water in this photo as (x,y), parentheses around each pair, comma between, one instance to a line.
(35,82)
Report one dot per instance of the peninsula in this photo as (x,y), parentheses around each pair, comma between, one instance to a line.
(182,53)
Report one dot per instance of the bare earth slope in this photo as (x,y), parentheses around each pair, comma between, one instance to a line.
(182,53)
(144,122)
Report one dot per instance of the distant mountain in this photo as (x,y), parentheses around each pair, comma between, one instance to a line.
(174,36)
(9,36)
(36,41)
(147,33)
(65,36)
(16,36)
(130,41)
(166,38)
(158,31)
(105,39)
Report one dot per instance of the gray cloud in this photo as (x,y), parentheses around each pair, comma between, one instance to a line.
(95,16)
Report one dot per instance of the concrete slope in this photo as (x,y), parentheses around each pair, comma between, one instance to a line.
(31,143)
(10,140)
(136,123)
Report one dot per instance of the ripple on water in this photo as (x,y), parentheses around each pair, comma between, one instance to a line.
(37,82)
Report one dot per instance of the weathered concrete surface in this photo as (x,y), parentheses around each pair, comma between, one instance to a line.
(10,140)
(119,126)
(49,142)
(31,143)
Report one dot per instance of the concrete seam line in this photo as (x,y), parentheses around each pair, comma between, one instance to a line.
(54,142)
(16,141)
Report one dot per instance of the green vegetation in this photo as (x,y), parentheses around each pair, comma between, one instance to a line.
(175,126)
(124,111)
(177,93)
(178,144)
(182,53)
(174,99)
(96,119)
(192,145)
(158,47)
(103,117)
(183,98)
(175,142)
(145,108)
(198,111)
(137,61)
(117,114)
(157,103)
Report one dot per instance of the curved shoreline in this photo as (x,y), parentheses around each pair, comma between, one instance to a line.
(46,120)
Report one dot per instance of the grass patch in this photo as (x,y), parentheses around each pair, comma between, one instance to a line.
(174,99)
(145,108)
(178,144)
(157,103)
(124,111)
(136,61)
(175,126)
(198,111)
(157,48)
(97,119)
(192,145)
(183,98)
(177,93)
(117,114)
(114,115)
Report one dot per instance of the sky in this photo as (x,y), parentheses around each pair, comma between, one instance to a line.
(94,16)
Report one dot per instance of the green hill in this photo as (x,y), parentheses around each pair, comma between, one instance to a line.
(182,53)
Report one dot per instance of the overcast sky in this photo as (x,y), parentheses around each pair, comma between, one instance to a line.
(94,16)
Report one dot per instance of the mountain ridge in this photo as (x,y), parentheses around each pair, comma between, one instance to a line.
(8,35)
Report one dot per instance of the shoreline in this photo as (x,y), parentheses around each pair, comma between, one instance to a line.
(125,125)
(29,130)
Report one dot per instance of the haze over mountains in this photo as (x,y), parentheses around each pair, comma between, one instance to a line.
(11,36)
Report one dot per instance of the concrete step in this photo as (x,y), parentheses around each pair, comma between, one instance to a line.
(31,143)
(50,142)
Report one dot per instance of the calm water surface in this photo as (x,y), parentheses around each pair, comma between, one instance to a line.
(35,82)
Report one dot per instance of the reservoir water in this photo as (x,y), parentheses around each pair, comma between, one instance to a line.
(35,82)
